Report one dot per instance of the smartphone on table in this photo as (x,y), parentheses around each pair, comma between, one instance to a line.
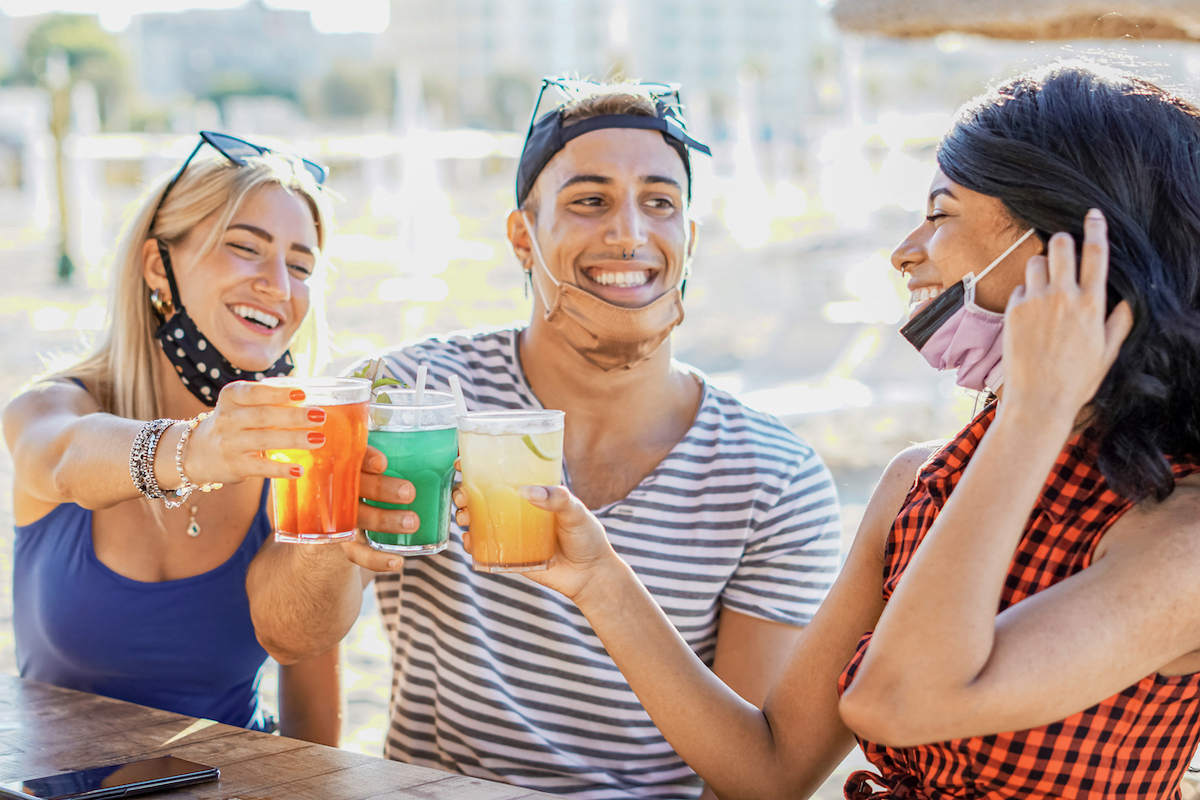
(118,780)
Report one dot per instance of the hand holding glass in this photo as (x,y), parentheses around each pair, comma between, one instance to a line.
(420,442)
(322,505)
(502,451)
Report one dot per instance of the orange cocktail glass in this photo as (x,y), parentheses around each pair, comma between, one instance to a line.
(322,505)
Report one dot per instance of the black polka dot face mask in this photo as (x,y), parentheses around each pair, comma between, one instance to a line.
(201,367)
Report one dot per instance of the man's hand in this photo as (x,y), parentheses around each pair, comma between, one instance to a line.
(380,488)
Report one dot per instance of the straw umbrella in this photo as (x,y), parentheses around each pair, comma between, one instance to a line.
(1023,19)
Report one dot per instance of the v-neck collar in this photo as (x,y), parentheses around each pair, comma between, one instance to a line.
(706,407)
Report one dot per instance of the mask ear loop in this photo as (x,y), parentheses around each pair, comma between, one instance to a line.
(537,257)
(165,253)
(970,279)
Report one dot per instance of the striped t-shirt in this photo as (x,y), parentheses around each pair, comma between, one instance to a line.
(497,677)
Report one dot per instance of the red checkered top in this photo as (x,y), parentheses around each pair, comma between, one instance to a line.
(1134,744)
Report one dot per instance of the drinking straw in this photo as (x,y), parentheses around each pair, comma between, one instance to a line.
(422,374)
(459,400)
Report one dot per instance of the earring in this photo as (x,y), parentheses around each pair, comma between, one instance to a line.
(162,305)
(528,281)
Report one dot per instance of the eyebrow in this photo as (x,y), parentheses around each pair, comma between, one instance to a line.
(586,179)
(260,233)
(662,179)
(601,179)
(941,190)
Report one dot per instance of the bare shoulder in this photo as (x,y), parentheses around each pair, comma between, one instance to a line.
(1178,511)
(1172,523)
(912,457)
(901,472)
(44,399)
(888,498)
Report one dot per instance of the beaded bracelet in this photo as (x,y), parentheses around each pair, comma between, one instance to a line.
(186,487)
(141,458)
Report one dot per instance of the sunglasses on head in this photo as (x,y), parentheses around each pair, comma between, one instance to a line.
(665,95)
(236,150)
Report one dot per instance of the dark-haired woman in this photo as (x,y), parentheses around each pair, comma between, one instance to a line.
(1019,616)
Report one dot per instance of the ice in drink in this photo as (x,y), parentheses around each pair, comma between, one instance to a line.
(322,505)
(502,451)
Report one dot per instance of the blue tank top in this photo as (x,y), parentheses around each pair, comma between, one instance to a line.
(186,645)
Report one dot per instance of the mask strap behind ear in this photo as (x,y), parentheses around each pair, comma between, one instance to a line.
(165,254)
(970,279)
(537,257)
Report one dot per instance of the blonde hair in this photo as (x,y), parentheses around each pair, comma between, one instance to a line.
(123,367)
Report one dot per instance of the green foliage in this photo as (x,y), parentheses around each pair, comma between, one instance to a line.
(93,54)
(371,368)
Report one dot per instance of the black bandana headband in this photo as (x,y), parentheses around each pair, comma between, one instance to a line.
(548,135)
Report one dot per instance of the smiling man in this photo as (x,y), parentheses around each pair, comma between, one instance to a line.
(728,518)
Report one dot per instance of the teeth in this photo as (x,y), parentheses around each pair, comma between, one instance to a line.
(923,294)
(623,279)
(254,315)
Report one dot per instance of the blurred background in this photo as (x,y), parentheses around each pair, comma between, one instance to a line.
(823,120)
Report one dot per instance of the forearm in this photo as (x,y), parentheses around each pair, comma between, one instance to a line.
(86,461)
(694,704)
(938,630)
(303,599)
(310,699)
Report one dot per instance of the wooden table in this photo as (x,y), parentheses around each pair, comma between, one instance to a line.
(46,730)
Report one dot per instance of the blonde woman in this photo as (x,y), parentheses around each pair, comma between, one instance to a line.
(140,495)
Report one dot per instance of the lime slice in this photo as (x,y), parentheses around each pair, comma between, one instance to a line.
(379,418)
(533,448)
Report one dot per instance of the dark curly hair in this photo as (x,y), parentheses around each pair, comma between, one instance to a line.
(1052,143)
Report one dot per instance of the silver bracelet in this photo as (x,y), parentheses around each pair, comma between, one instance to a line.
(141,458)
(186,487)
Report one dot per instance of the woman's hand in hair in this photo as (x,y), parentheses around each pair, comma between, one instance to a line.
(1058,345)
(250,418)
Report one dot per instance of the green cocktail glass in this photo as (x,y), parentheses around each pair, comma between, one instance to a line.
(421,443)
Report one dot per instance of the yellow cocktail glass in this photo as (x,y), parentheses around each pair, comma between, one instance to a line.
(502,451)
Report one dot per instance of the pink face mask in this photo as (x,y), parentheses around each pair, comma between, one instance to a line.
(952,332)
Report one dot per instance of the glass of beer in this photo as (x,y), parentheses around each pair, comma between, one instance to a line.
(322,505)
(500,452)
(421,443)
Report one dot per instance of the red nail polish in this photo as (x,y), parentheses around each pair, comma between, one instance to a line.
(316,437)
(296,394)
(316,415)
(296,470)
